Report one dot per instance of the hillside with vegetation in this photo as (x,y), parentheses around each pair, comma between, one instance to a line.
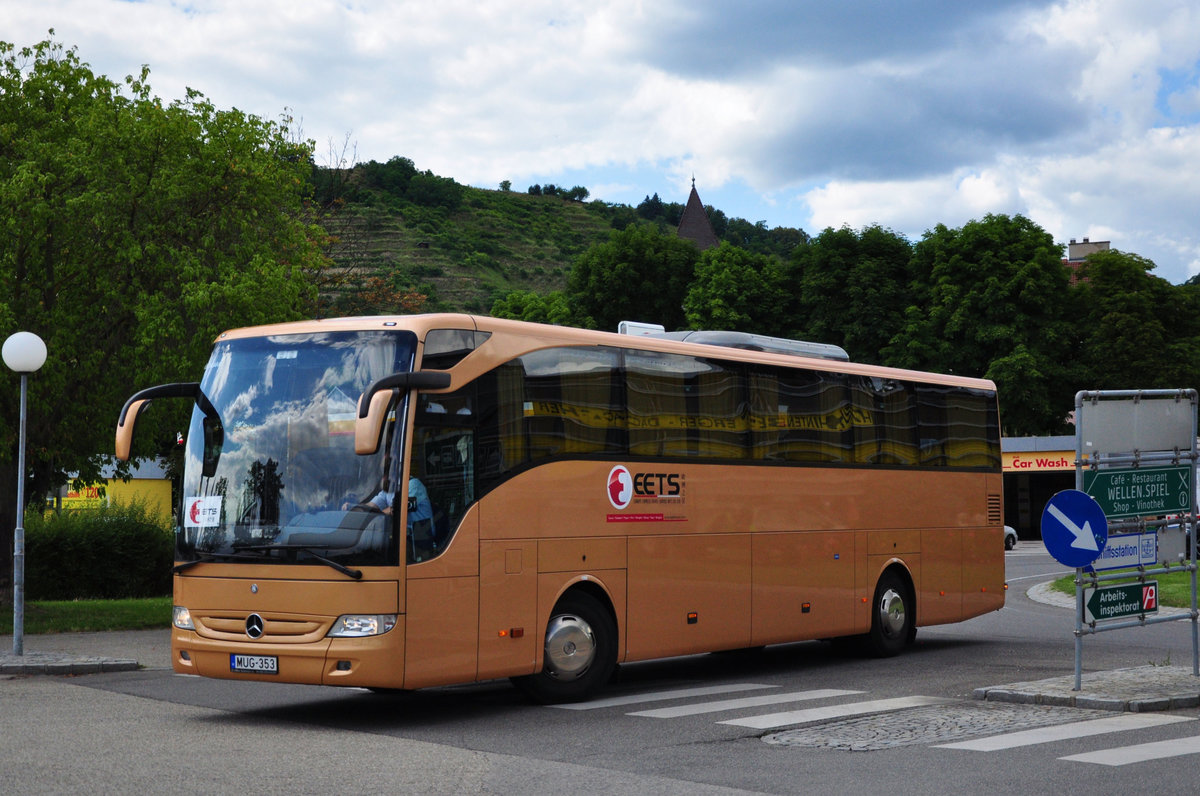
(406,240)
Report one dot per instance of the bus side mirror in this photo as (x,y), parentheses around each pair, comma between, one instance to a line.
(141,399)
(368,429)
(375,400)
(125,427)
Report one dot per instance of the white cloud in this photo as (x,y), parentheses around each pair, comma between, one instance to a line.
(1082,114)
(1132,192)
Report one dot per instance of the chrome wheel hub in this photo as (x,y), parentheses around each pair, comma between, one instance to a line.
(891,613)
(570,647)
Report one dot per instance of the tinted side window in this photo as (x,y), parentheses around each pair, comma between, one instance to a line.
(802,416)
(684,406)
(445,348)
(442,459)
(501,423)
(562,402)
(885,431)
(958,428)
(719,412)
(575,402)
(572,404)
(656,386)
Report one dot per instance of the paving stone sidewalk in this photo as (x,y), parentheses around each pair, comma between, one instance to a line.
(87,653)
(1136,689)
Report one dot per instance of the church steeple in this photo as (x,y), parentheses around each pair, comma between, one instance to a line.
(694,224)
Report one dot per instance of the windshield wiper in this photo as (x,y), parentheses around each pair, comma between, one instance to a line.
(304,548)
(206,558)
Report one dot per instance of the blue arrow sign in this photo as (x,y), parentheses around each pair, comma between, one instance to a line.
(1074,528)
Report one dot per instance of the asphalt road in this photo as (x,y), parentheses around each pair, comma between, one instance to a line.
(690,725)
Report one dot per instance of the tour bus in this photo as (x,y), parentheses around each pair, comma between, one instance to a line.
(413,501)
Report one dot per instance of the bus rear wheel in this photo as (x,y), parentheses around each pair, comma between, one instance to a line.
(893,617)
(579,654)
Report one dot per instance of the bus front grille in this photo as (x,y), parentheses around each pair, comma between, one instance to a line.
(277,629)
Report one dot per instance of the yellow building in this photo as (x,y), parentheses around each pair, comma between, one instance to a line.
(148,485)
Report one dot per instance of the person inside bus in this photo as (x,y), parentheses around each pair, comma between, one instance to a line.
(419,507)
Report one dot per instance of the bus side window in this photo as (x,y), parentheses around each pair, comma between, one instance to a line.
(444,461)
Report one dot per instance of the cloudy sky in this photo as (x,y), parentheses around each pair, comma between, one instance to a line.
(1082,114)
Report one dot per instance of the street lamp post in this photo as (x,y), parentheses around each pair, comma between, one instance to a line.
(24,352)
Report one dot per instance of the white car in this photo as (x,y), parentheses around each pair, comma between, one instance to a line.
(1010,537)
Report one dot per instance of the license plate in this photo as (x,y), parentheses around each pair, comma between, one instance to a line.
(258,664)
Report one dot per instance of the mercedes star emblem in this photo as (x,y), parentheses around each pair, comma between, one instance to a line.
(254,626)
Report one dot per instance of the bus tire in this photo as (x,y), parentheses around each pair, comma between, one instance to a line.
(579,655)
(893,617)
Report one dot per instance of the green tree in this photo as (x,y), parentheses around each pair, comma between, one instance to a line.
(1138,331)
(736,290)
(780,241)
(525,305)
(430,190)
(393,177)
(131,233)
(821,273)
(651,208)
(639,274)
(990,299)
(852,289)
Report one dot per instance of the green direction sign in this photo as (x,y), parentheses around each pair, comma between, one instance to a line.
(1141,491)
(1117,602)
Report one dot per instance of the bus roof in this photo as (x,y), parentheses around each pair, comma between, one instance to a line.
(526,336)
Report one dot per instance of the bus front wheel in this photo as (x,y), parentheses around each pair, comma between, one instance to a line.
(893,617)
(579,654)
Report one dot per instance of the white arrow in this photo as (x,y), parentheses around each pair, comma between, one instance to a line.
(1084,539)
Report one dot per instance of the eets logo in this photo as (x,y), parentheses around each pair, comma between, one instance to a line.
(202,512)
(624,486)
(620,487)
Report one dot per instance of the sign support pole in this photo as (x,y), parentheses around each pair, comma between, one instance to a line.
(1079,570)
(1142,431)
(1078,628)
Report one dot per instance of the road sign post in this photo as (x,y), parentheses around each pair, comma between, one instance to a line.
(1136,454)
(1074,528)
(1138,492)
(1120,601)
(1127,551)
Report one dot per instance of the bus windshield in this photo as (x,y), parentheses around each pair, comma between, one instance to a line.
(270,471)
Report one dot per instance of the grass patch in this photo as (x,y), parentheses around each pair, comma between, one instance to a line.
(74,616)
(1174,590)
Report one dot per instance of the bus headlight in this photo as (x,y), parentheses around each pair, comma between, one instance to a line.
(182,618)
(359,625)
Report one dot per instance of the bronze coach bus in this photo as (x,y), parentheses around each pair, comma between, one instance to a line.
(412,501)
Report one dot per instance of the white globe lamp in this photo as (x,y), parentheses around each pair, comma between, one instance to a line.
(24,353)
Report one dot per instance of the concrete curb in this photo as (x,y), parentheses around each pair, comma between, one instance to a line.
(61,664)
(90,652)
(1137,689)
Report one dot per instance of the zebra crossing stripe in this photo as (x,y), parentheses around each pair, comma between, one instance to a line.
(771,720)
(1062,732)
(1140,753)
(659,696)
(744,702)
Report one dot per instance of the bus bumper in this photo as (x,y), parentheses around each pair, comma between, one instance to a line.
(375,661)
